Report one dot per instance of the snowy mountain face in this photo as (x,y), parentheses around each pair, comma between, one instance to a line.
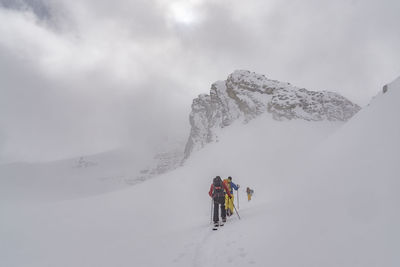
(246,95)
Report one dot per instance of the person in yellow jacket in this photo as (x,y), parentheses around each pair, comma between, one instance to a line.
(249,193)
(229,201)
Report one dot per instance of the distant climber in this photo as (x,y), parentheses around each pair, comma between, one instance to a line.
(217,192)
(229,200)
(249,192)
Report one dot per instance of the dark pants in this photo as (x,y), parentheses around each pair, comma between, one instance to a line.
(219,202)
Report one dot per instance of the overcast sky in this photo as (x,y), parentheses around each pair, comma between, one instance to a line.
(80,77)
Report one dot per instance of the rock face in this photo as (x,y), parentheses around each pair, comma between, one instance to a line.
(163,162)
(394,84)
(246,95)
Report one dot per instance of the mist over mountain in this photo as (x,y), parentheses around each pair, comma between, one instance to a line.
(243,97)
(77,76)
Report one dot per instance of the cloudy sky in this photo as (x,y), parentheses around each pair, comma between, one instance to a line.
(80,77)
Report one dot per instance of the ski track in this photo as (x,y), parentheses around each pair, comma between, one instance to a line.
(198,259)
(224,247)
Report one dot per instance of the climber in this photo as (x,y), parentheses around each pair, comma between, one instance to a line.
(217,192)
(249,192)
(229,201)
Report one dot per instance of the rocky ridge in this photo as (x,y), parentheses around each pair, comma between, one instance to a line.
(245,95)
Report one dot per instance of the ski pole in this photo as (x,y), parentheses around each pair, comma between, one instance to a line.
(211,211)
(236,211)
(237,194)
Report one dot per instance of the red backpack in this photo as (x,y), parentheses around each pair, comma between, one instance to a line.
(218,188)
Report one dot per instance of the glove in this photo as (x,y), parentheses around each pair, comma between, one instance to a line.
(238,186)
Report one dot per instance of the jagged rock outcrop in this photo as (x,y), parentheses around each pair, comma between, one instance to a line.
(163,163)
(394,84)
(245,95)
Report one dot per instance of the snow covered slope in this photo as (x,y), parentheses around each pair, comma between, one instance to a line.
(87,175)
(167,216)
(320,199)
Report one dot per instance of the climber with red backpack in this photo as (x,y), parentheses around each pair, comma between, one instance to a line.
(217,192)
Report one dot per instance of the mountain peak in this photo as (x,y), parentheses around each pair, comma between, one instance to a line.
(245,95)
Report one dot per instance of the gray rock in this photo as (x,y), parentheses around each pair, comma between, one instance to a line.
(385,88)
(245,95)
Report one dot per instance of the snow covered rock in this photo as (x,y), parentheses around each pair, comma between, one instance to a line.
(394,84)
(245,95)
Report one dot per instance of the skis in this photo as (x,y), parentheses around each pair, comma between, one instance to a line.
(217,225)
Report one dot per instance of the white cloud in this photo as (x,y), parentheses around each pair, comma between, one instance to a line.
(99,66)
